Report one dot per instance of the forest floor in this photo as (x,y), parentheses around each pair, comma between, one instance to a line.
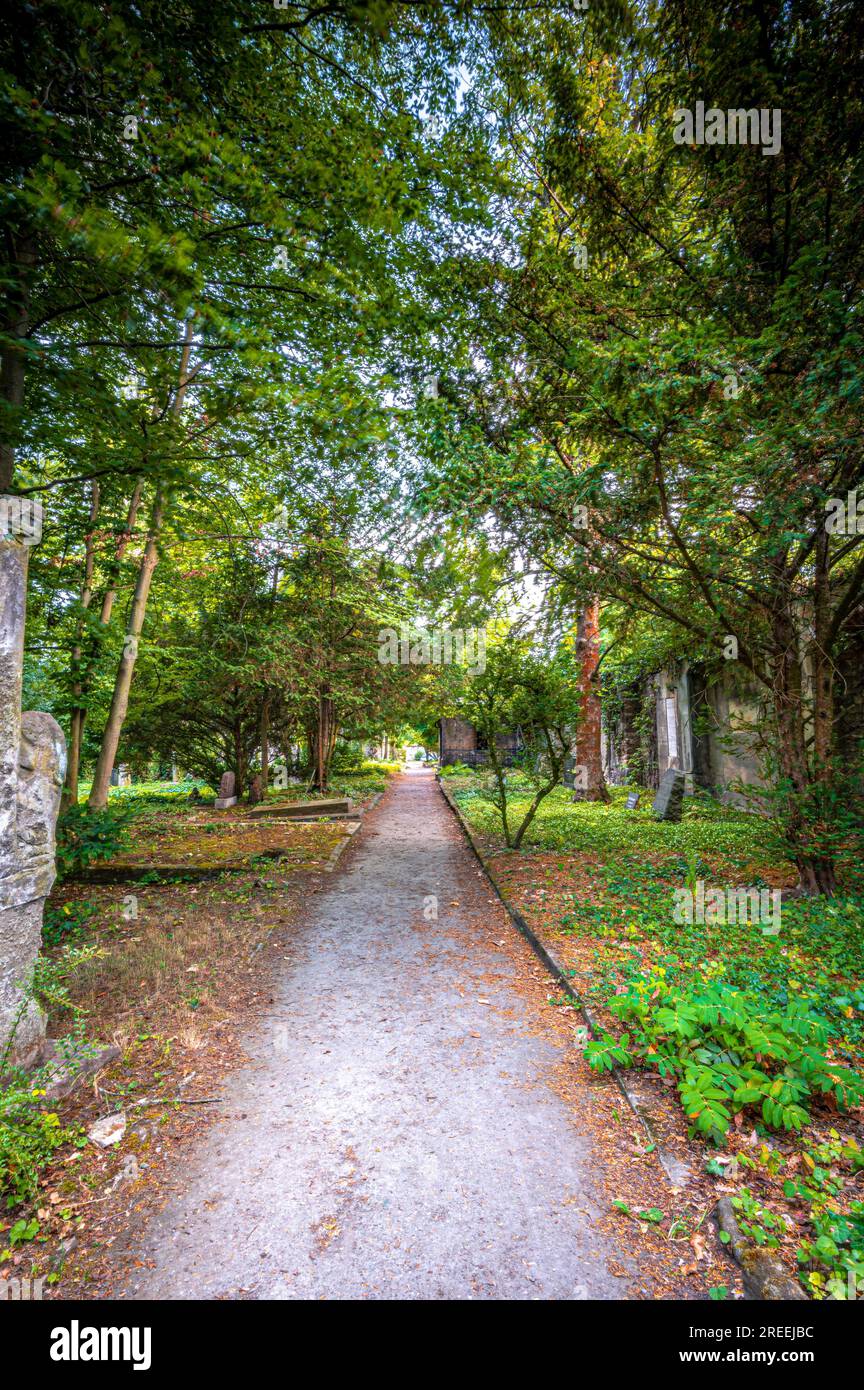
(392,1101)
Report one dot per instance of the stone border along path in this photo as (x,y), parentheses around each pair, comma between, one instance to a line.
(395,1134)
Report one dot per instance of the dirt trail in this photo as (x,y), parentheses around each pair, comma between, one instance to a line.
(394,1135)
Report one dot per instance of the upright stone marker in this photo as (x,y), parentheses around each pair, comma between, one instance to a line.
(32,769)
(670,795)
(632,801)
(226,795)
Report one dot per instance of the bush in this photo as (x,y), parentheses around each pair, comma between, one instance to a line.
(29,1134)
(727,1050)
(69,919)
(84,837)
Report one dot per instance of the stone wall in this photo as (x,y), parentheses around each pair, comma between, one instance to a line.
(707,729)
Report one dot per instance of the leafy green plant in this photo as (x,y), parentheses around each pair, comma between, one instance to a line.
(85,837)
(29,1132)
(761,1225)
(833,1261)
(727,1051)
(457,770)
(66,920)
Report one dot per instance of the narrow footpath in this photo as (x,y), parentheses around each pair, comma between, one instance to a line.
(395,1134)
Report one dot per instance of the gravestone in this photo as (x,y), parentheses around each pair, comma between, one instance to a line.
(632,801)
(670,795)
(568,776)
(32,769)
(226,797)
(256,792)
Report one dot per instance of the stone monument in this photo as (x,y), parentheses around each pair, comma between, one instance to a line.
(32,770)
(226,795)
(670,795)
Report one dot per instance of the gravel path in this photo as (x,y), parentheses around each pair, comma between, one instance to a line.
(394,1135)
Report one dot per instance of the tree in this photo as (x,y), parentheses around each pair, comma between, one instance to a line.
(274,182)
(664,420)
(521,689)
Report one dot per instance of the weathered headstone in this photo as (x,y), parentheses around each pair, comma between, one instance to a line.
(670,795)
(256,791)
(632,801)
(32,769)
(226,795)
(568,776)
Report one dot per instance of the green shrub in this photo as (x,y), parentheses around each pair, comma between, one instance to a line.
(30,1133)
(29,1136)
(66,919)
(727,1050)
(84,837)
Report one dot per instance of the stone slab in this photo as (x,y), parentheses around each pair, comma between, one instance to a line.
(291,810)
(669,800)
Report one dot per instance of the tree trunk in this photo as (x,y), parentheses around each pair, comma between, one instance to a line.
(321,738)
(801,814)
(98,798)
(265,742)
(123,681)
(589,753)
(240,761)
(78,714)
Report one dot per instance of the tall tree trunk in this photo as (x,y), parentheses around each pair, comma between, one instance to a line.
(801,818)
(123,540)
(322,781)
(123,681)
(321,739)
(78,714)
(589,753)
(240,759)
(265,742)
(98,798)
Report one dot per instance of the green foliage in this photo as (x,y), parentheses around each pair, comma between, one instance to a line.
(66,919)
(29,1136)
(86,837)
(156,792)
(524,691)
(831,1260)
(728,1052)
(757,1222)
(30,1132)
